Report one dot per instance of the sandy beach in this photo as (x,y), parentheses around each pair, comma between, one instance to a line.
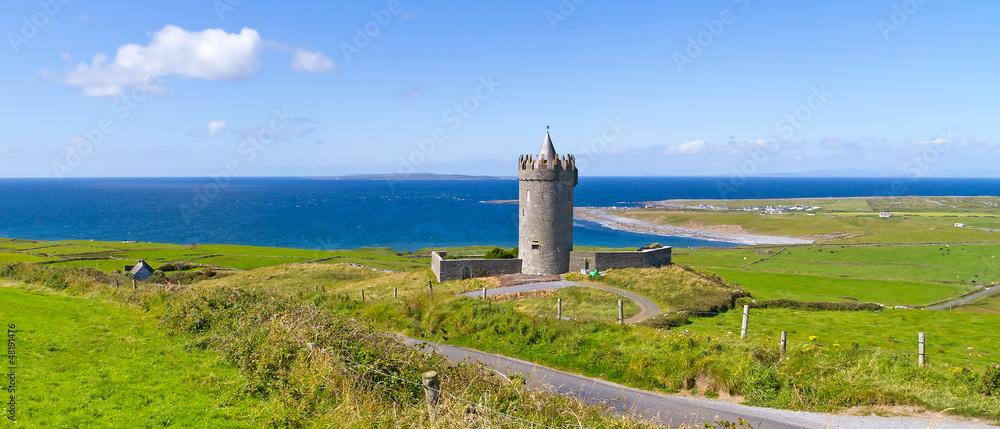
(614,221)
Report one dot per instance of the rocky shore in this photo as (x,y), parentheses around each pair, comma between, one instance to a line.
(614,221)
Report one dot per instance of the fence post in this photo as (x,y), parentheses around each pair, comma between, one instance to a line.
(133,284)
(316,289)
(362,296)
(430,287)
(559,308)
(746,321)
(784,341)
(432,386)
(920,349)
(395,290)
(621,313)
(484,292)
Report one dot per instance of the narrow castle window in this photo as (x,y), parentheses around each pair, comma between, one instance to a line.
(536,245)
(527,196)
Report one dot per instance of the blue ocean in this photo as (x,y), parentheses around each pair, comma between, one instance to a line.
(331,214)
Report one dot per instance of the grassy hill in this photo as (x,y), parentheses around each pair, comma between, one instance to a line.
(86,363)
(93,355)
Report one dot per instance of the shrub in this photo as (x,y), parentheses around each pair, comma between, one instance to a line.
(810,305)
(669,320)
(989,383)
(498,253)
(52,278)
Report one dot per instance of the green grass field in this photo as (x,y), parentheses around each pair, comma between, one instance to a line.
(818,376)
(578,303)
(225,357)
(982,204)
(835,229)
(913,275)
(113,256)
(807,287)
(84,363)
(953,338)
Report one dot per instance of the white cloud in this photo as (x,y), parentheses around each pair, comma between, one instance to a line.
(216,127)
(303,132)
(692,147)
(211,54)
(415,91)
(74,140)
(316,62)
(65,56)
(937,141)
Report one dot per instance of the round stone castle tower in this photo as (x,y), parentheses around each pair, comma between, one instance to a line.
(545,227)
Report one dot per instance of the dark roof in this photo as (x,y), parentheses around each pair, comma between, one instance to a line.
(141,271)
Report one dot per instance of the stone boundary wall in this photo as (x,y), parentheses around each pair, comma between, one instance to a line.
(458,269)
(618,260)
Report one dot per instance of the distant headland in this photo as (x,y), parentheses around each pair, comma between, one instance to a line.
(413,176)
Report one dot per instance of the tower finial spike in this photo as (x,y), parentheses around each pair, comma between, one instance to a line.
(547,152)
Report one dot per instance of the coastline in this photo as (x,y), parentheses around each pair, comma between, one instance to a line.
(628,224)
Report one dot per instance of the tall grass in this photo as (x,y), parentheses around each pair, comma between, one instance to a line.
(310,367)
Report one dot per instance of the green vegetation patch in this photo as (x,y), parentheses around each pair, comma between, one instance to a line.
(817,376)
(6,257)
(976,204)
(671,287)
(968,264)
(298,365)
(83,363)
(216,255)
(581,303)
(953,338)
(807,287)
(835,229)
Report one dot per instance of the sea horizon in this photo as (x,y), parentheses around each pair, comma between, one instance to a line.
(405,215)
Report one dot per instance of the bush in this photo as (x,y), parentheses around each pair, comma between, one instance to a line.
(809,305)
(989,383)
(51,278)
(498,253)
(669,320)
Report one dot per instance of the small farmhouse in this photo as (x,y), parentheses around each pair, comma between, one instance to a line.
(140,271)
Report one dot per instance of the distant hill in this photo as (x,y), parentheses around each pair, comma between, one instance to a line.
(414,176)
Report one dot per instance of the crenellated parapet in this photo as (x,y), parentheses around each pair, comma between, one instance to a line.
(562,169)
(566,162)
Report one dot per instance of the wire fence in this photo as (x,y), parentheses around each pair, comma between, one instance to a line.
(891,349)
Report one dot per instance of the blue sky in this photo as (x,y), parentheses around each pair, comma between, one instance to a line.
(722,87)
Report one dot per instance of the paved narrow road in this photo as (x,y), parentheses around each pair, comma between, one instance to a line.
(951,304)
(675,410)
(647,308)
